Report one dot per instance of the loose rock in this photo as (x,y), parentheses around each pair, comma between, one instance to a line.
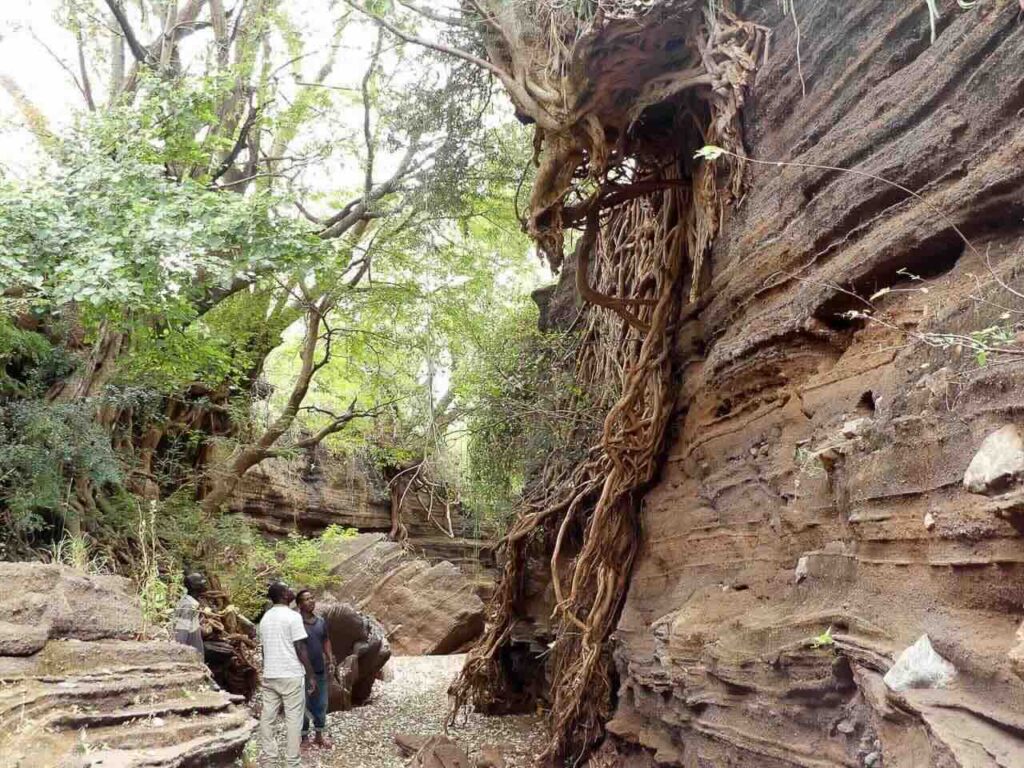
(919,666)
(426,609)
(801,569)
(855,427)
(440,752)
(1016,653)
(999,461)
(491,756)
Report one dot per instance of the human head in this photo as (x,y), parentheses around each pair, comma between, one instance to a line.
(305,600)
(196,584)
(279,593)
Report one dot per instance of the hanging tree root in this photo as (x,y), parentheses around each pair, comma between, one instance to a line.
(648,227)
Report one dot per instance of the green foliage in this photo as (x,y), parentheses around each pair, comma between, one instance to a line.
(236,555)
(111,229)
(296,560)
(522,404)
(42,447)
(988,338)
(77,552)
(708,152)
(824,640)
(28,361)
(129,231)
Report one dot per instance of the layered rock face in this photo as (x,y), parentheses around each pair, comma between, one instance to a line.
(425,608)
(78,688)
(815,479)
(306,494)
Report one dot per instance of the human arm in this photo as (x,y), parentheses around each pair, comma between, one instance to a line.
(328,652)
(303,653)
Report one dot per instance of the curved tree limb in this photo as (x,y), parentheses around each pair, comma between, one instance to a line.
(514,86)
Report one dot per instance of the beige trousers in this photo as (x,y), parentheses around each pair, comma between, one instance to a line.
(289,694)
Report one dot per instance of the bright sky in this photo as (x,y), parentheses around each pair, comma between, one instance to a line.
(34,70)
(28,28)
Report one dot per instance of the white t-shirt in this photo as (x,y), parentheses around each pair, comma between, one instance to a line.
(280,627)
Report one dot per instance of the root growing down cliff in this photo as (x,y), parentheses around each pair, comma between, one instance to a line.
(620,101)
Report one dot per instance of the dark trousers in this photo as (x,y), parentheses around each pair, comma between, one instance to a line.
(316,705)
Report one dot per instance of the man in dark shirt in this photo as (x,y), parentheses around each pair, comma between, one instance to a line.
(321,659)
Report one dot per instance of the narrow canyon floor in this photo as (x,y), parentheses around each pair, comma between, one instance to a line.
(414,702)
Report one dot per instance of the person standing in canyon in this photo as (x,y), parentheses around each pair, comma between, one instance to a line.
(321,659)
(187,630)
(287,675)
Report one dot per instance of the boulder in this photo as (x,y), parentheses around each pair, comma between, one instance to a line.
(79,688)
(999,461)
(42,602)
(493,756)
(408,744)
(440,752)
(425,609)
(361,649)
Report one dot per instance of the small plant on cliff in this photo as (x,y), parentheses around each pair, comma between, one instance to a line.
(824,640)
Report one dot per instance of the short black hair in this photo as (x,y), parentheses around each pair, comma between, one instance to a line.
(277,591)
(302,592)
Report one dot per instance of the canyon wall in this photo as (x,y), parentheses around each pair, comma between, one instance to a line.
(814,478)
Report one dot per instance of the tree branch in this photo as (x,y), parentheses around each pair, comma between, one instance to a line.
(240,143)
(86,85)
(356,211)
(139,51)
(514,86)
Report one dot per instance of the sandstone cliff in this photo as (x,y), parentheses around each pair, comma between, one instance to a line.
(307,493)
(806,436)
(777,506)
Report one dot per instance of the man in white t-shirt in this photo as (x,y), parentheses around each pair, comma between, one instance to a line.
(287,674)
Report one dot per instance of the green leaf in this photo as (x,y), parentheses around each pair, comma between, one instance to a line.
(709,152)
(823,640)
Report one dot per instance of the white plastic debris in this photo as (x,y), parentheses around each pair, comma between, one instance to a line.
(919,666)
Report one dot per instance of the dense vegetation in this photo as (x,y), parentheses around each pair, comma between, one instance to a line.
(257,235)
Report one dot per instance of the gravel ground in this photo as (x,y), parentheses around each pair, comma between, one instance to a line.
(415,702)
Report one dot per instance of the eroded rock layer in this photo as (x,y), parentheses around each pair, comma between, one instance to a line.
(307,493)
(815,478)
(425,608)
(78,688)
